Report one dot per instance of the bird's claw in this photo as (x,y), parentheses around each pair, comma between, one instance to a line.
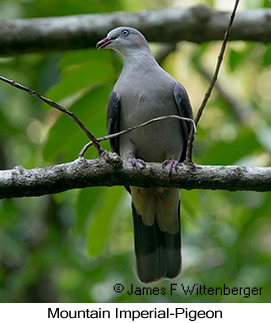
(170,165)
(137,163)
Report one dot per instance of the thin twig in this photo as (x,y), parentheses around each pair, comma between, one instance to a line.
(114,135)
(212,83)
(58,107)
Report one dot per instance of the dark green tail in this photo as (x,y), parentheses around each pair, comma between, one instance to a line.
(158,254)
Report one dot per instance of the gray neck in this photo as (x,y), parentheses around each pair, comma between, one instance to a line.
(139,60)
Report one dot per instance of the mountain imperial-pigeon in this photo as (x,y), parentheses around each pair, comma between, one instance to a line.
(144,91)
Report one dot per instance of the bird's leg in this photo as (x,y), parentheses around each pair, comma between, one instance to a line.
(170,165)
(137,163)
(128,152)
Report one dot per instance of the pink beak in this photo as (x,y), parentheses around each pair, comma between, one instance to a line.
(104,42)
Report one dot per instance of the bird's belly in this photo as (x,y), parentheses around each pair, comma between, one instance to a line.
(158,144)
(155,142)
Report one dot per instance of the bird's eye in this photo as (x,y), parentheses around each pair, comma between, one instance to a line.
(125,32)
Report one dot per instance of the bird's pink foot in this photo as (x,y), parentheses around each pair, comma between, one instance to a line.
(137,163)
(170,165)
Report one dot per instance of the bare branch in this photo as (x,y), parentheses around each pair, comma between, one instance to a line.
(58,107)
(117,134)
(196,24)
(112,170)
(212,83)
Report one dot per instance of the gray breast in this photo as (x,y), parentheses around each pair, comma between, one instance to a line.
(145,100)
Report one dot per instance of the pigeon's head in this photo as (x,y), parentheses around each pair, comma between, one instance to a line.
(124,40)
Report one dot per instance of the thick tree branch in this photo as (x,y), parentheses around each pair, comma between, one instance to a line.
(197,24)
(111,170)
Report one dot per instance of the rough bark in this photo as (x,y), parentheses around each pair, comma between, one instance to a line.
(111,170)
(196,24)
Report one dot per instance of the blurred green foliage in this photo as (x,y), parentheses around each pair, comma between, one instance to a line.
(74,246)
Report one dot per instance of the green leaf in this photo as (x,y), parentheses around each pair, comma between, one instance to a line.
(88,201)
(80,69)
(66,139)
(6,127)
(80,77)
(267,56)
(239,56)
(83,57)
(224,153)
(190,205)
(100,227)
(199,52)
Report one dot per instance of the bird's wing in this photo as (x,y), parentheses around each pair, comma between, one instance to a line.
(113,119)
(185,110)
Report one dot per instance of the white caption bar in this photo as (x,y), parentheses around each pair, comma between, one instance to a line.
(134,312)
